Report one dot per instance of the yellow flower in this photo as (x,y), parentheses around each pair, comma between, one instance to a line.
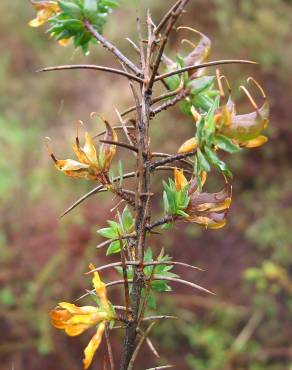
(206,209)
(90,165)
(209,209)
(75,320)
(179,179)
(188,146)
(244,129)
(45,10)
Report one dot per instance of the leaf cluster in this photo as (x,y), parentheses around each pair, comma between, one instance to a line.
(69,22)
(158,286)
(175,201)
(116,230)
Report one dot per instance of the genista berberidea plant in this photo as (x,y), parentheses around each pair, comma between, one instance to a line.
(156,83)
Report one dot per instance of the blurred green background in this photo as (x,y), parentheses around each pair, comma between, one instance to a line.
(247,326)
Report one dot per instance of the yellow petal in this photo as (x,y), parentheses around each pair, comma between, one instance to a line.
(89,149)
(188,145)
(74,330)
(99,288)
(215,207)
(179,179)
(216,225)
(107,151)
(75,310)
(254,143)
(89,320)
(36,22)
(93,346)
(64,42)
(75,169)
(207,222)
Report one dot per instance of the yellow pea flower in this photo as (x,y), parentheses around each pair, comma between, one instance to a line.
(45,10)
(91,165)
(188,146)
(244,129)
(209,209)
(179,179)
(75,320)
(205,209)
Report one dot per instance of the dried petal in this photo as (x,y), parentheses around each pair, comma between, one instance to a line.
(93,346)
(74,169)
(107,151)
(188,146)
(45,10)
(100,288)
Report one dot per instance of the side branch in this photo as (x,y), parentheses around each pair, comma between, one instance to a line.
(203,65)
(95,67)
(171,159)
(113,49)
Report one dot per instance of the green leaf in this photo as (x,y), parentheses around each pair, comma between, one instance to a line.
(127,219)
(200,130)
(202,102)
(114,247)
(167,226)
(160,286)
(90,8)
(165,203)
(70,8)
(172,81)
(120,170)
(108,232)
(197,173)
(200,84)
(226,144)
(182,213)
(185,106)
(110,3)
(214,159)
(204,164)
(111,175)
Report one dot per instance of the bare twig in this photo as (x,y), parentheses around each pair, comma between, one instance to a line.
(145,264)
(174,15)
(109,348)
(93,67)
(171,159)
(122,145)
(96,190)
(139,345)
(114,50)
(170,103)
(203,65)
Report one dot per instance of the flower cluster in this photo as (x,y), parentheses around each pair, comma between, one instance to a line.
(91,164)
(75,320)
(206,209)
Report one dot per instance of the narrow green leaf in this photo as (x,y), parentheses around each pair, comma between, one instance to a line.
(200,84)
(214,159)
(120,170)
(226,144)
(114,247)
(204,164)
(70,8)
(108,232)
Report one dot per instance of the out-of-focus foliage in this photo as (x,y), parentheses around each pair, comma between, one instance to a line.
(248,264)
